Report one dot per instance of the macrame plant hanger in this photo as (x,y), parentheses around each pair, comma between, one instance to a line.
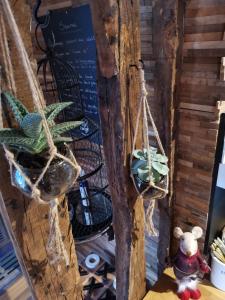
(144,118)
(55,246)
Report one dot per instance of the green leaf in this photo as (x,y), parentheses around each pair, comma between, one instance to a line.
(143,174)
(18,109)
(40,146)
(153,149)
(24,144)
(139,154)
(160,158)
(137,164)
(143,170)
(58,108)
(62,139)
(161,168)
(8,132)
(156,176)
(64,127)
(14,136)
(22,147)
(32,125)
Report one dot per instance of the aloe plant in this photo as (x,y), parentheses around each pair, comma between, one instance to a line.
(140,166)
(30,135)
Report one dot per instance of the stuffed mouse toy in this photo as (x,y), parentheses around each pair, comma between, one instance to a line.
(188,263)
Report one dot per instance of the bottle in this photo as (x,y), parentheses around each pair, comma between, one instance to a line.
(85,201)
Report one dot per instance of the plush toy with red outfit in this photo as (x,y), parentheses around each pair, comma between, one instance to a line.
(188,263)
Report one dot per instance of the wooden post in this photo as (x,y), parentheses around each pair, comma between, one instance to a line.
(116,25)
(165,45)
(29,220)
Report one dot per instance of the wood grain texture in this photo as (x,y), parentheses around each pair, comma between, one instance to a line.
(165,45)
(118,101)
(198,111)
(29,220)
(165,289)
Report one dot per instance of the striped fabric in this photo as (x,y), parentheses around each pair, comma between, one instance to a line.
(9,266)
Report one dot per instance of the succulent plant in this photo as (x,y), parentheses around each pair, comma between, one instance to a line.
(140,166)
(30,135)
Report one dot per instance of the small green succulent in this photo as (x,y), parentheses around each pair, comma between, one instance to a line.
(140,167)
(30,135)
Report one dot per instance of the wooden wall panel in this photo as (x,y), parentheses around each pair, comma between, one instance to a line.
(198,110)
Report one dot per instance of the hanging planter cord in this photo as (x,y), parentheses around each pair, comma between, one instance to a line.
(55,246)
(144,117)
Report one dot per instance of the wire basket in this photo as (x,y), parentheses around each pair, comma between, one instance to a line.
(98,216)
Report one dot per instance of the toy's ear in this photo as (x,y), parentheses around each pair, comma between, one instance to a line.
(197,232)
(177,232)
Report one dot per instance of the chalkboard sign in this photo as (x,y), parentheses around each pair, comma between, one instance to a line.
(70,33)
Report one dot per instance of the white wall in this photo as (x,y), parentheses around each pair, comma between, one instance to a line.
(221,173)
(223,158)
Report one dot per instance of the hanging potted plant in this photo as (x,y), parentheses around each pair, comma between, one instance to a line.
(28,142)
(146,175)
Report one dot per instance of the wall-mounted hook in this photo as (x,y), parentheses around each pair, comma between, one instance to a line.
(140,65)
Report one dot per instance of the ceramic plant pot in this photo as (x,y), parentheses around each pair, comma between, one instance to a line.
(57,180)
(217,275)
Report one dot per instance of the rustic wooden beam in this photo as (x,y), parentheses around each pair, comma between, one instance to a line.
(116,25)
(29,220)
(165,45)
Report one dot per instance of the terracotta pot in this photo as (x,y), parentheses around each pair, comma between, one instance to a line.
(57,180)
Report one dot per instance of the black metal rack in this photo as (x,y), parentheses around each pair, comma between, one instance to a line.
(89,200)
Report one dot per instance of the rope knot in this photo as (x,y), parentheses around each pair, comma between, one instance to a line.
(144,92)
(9,155)
(53,151)
(54,202)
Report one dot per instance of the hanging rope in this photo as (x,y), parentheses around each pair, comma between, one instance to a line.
(55,246)
(144,117)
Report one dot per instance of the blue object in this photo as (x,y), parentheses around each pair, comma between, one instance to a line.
(9,266)
(20,180)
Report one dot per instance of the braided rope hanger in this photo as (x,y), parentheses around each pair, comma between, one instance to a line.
(144,117)
(55,246)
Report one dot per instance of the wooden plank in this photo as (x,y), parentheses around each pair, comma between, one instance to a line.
(60,4)
(207,20)
(205,45)
(206,108)
(165,45)
(198,67)
(190,90)
(204,3)
(204,52)
(203,80)
(198,110)
(207,28)
(201,60)
(118,93)
(206,11)
(201,37)
(165,289)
